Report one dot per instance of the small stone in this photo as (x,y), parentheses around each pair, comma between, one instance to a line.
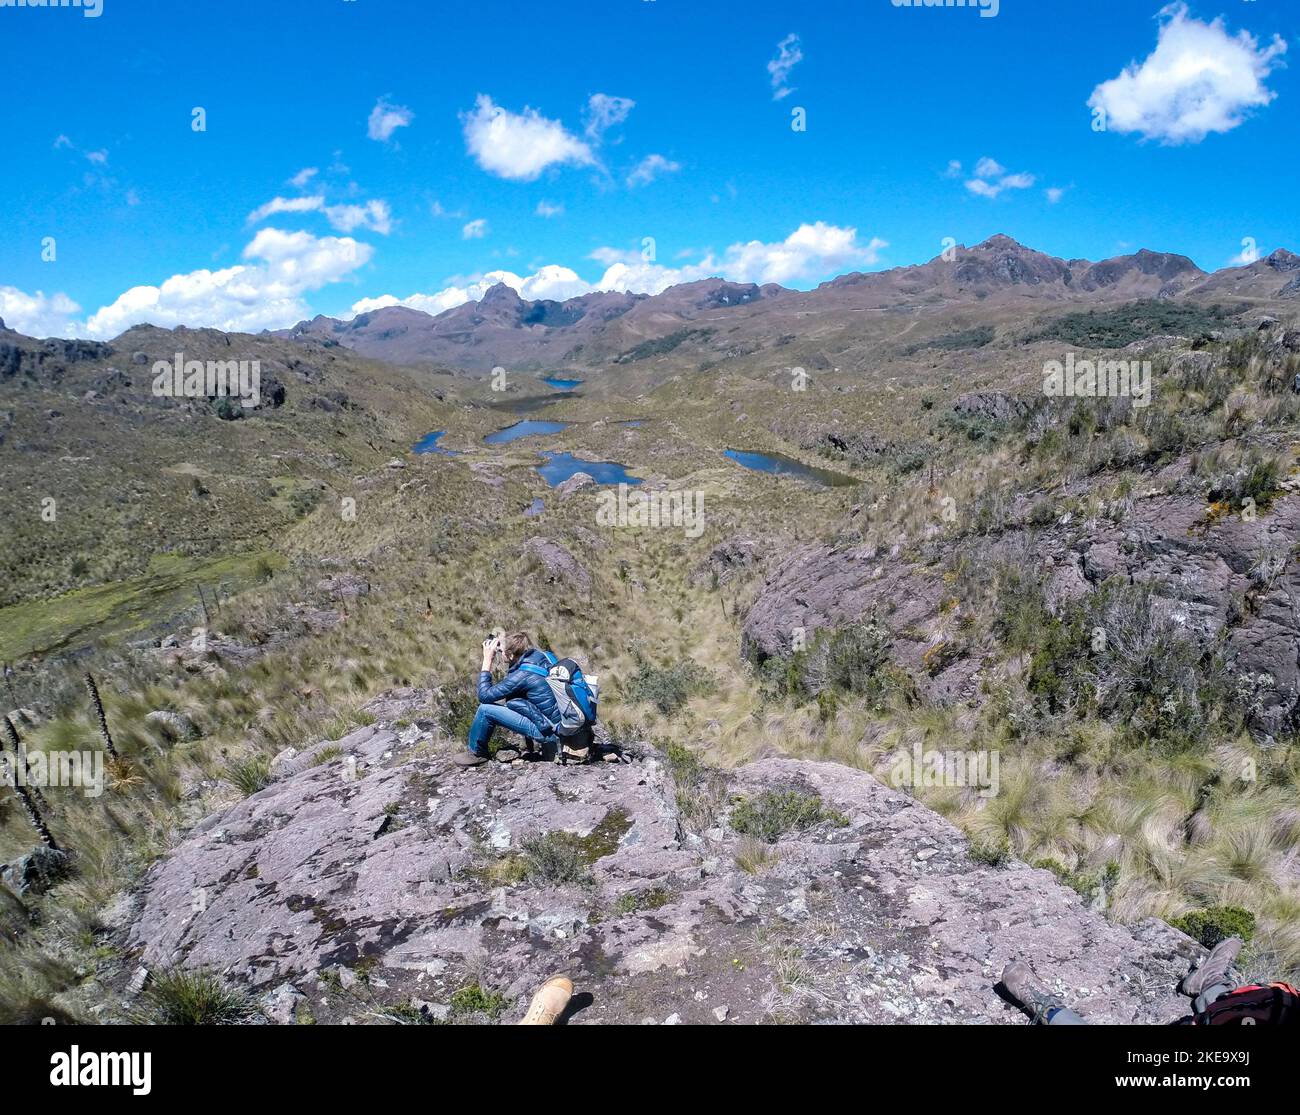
(722,1013)
(672,1020)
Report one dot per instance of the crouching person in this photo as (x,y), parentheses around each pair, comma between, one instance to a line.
(522,702)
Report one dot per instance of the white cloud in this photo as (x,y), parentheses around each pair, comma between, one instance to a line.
(1198,80)
(285,205)
(373,215)
(438,211)
(605,112)
(954,169)
(650,168)
(299,180)
(546,209)
(38,315)
(264,293)
(788,55)
(519,146)
(1055,193)
(475,230)
(992,178)
(611,256)
(386,118)
(811,251)
(551,281)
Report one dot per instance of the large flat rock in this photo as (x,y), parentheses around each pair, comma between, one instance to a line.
(373,866)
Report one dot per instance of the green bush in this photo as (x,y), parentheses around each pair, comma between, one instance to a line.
(1134,321)
(249,775)
(991,855)
(775,812)
(1216,923)
(473,999)
(668,688)
(555,857)
(180,998)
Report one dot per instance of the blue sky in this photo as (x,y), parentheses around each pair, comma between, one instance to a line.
(441,136)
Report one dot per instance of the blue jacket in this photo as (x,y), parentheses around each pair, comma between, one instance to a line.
(522,684)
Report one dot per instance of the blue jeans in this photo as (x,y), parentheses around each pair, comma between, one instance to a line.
(512,718)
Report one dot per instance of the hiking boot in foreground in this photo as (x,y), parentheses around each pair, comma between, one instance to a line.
(469,759)
(549,1002)
(1214,968)
(1023,986)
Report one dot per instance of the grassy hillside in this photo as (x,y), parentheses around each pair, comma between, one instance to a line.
(1152,823)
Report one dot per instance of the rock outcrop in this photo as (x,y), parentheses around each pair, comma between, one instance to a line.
(372,879)
(1225,577)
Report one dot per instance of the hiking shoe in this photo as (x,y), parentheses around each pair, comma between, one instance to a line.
(549,1002)
(469,759)
(506,755)
(1023,986)
(1214,968)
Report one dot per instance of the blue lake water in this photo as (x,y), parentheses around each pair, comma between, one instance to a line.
(527,428)
(534,508)
(562,384)
(429,444)
(558,467)
(778,465)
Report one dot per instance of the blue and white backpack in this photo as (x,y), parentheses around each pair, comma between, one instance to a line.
(576,695)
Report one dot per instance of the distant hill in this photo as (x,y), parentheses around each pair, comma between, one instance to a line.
(713,317)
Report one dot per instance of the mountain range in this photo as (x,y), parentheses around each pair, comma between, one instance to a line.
(737,319)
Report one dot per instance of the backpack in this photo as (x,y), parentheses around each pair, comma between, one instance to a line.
(576,695)
(1274,1004)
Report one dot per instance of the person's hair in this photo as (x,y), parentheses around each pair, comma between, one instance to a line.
(514,646)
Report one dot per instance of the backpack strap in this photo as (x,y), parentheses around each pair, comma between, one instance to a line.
(532,668)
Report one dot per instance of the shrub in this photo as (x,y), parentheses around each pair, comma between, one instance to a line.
(180,998)
(1216,923)
(249,775)
(633,901)
(853,660)
(668,688)
(473,999)
(555,857)
(1134,321)
(991,855)
(775,812)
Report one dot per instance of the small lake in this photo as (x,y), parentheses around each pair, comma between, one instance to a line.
(562,384)
(429,444)
(777,464)
(527,428)
(535,508)
(558,467)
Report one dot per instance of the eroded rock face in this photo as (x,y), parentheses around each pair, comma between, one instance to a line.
(1225,578)
(366,882)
